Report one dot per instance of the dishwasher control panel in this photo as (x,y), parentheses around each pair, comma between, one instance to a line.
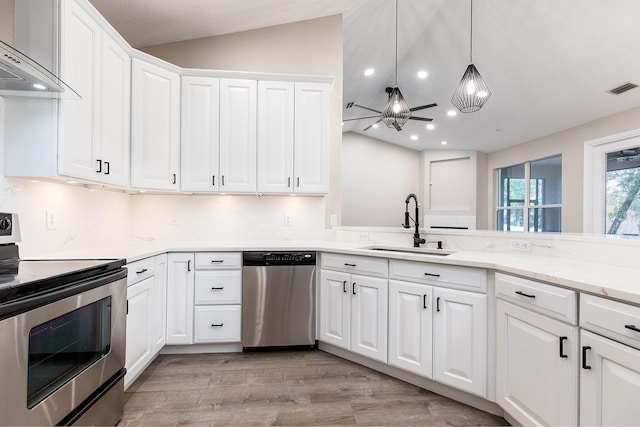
(279,258)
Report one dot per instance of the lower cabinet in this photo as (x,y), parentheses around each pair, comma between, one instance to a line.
(180,283)
(139,302)
(159,296)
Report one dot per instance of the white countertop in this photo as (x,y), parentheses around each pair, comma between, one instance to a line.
(617,282)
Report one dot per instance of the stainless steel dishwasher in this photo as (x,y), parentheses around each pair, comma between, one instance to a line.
(278,299)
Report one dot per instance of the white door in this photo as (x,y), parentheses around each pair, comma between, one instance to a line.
(200,134)
(180,285)
(238,113)
(155,127)
(159,307)
(369,296)
(80,68)
(537,367)
(139,303)
(275,137)
(410,327)
(311,152)
(115,114)
(460,339)
(335,308)
(609,382)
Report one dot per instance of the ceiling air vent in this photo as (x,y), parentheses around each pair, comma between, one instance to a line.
(623,88)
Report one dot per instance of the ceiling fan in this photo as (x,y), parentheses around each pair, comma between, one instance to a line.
(399,115)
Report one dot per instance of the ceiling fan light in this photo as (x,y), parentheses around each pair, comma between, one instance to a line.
(396,112)
(472,91)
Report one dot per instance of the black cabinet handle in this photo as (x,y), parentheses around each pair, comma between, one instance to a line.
(223,180)
(217,325)
(438,304)
(424,301)
(349,265)
(215,288)
(106,164)
(632,327)
(353,288)
(288,182)
(217,260)
(99,166)
(188,265)
(174,178)
(562,354)
(344,286)
(213,180)
(144,270)
(525,295)
(298,185)
(584,356)
(431,275)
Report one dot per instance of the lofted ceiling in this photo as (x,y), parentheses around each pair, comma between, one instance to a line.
(548,63)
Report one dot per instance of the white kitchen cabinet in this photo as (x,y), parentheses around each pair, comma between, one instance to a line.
(159,311)
(537,367)
(460,339)
(200,143)
(410,327)
(139,308)
(369,297)
(155,127)
(238,120)
(180,291)
(335,308)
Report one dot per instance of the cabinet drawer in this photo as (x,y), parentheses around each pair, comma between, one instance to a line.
(465,278)
(218,287)
(356,264)
(218,260)
(217,323)
(140,270)
(613,319)
(550,300)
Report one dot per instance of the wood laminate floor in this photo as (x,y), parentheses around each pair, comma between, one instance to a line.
(283,388)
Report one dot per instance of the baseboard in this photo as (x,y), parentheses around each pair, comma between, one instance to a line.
(202,348)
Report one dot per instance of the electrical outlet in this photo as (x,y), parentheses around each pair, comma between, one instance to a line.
(521,245)
(52,220)
(363,236)
(174,219)
(287,220)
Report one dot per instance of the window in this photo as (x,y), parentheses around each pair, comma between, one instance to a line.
(623,192)
(530,196)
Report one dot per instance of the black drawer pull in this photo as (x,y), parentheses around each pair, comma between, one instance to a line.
(632,327)
(424,301)
(99,166)
(431,275)
(106,164)
(584,356)
(217,260)
(353,288)
(438,304)
(144,270)
(344,286)
(562,354)
(189,265)
(174,178)
(217,288)
(217,325)
(349,265)
(525,295)
(213,180)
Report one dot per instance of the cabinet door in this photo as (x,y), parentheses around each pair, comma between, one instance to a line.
(139,303)
(311,153)
(369,297)
(410,327)
(275,137)
(217,323)
(80,68)
(115,112)
(155,124)
(460,339)
(159,310)
(238,112)
(535,383)
(609,382)
(200,134)
(335,308)
(180,283)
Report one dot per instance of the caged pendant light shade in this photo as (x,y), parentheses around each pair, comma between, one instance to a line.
(472,92)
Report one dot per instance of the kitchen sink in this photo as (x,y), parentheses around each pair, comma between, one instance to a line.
(419,251)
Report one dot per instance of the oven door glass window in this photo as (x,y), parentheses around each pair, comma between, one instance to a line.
(63,347)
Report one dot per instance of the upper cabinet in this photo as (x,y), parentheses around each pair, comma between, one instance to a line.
(155,127)
(85,138)
(293,137)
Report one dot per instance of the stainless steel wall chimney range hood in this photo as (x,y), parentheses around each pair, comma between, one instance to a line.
(21,76)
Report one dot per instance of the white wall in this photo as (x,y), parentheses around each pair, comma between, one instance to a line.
(376,178)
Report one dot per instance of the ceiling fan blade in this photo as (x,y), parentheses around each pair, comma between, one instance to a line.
(423,119)
(422,107)
(397,126)
(361,106)
(369,127)
(360,118)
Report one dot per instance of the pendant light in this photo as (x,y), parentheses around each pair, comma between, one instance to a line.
(472,91)
(396,112)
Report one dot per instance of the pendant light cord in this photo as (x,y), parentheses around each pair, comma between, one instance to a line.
(470,36)
(396,78)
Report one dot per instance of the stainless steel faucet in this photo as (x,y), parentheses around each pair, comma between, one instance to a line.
(417,240)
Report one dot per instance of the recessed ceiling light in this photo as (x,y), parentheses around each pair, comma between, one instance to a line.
(422,74)
(414,137)
(369,71)
(342,123)
(39,86)
(431,126)
(451,113)
(375,126)
(444,143)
